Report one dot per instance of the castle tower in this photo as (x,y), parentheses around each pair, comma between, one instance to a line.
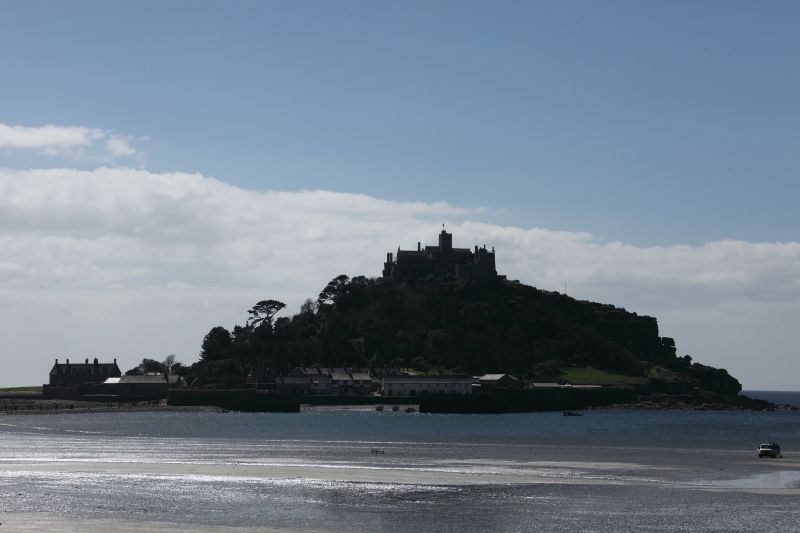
(445,241)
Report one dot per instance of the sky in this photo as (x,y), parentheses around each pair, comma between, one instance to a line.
(165,165)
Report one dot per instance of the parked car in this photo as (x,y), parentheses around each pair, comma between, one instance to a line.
(768,449)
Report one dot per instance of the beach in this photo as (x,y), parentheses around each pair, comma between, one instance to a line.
(676,493)
(205,472)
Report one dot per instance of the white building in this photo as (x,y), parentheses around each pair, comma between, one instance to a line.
(419,385)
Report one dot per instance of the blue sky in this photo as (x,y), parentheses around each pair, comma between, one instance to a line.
(165,165)
(648,122)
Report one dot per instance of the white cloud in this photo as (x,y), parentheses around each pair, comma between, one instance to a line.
(134,263)
(74,142)
(48,136)
(120,147)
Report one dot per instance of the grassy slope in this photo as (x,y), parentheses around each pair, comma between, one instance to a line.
(592,376)
(22,389)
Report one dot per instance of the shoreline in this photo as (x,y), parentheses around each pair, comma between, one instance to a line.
(53,406)
(77,408)
(35,404)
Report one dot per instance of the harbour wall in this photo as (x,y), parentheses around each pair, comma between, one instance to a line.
(526,400)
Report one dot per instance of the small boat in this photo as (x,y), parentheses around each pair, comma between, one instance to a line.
(377,451)
(379,408)
(571,413)
(395,408)
(410,410)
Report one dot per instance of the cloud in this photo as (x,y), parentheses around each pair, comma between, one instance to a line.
(119,147)
(135,263)
(74,142)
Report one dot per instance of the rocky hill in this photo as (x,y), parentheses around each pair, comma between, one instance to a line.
(448,326)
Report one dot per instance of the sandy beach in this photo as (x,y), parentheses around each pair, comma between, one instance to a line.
(654,484)
(727,474)
(360,471)
(32,523)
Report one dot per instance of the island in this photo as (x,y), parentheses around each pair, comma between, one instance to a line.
(466,340)
(440,329)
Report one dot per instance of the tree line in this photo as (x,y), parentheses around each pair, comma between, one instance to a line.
(440,326)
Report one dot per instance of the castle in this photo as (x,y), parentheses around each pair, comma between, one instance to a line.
(441,261)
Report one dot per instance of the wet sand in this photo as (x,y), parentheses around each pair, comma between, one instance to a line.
(654,483)
(124,477)
(735,473)
(31,523)
(572,495)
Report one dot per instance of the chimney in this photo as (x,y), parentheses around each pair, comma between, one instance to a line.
(115,360)
(56,360)
(419,246)
(95,361)
(67,360)
(87,360)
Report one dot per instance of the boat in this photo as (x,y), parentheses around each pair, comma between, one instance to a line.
(395,408)
(379,408)
(571,413)
(410,410)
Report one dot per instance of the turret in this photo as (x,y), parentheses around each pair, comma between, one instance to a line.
(445,241)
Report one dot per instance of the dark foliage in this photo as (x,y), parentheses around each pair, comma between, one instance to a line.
(442,325)
(151,366)
(216,345)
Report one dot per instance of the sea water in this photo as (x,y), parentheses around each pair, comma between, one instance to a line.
(362,470)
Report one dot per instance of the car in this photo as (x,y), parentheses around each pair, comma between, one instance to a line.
(768,449)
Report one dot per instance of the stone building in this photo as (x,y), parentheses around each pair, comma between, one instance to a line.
(472,265)
(68,374)
(328,381)
(490,382)
(421,385)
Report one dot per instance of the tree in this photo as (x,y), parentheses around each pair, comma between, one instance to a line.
(148,366)
(263,311)
(334,291)
(169,361)
(216,344)
(309,307)
(179,369)
(151,366)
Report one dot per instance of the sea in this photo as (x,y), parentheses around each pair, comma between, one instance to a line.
(357,469)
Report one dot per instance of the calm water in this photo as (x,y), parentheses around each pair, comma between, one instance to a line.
(194,469)
(778,397)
